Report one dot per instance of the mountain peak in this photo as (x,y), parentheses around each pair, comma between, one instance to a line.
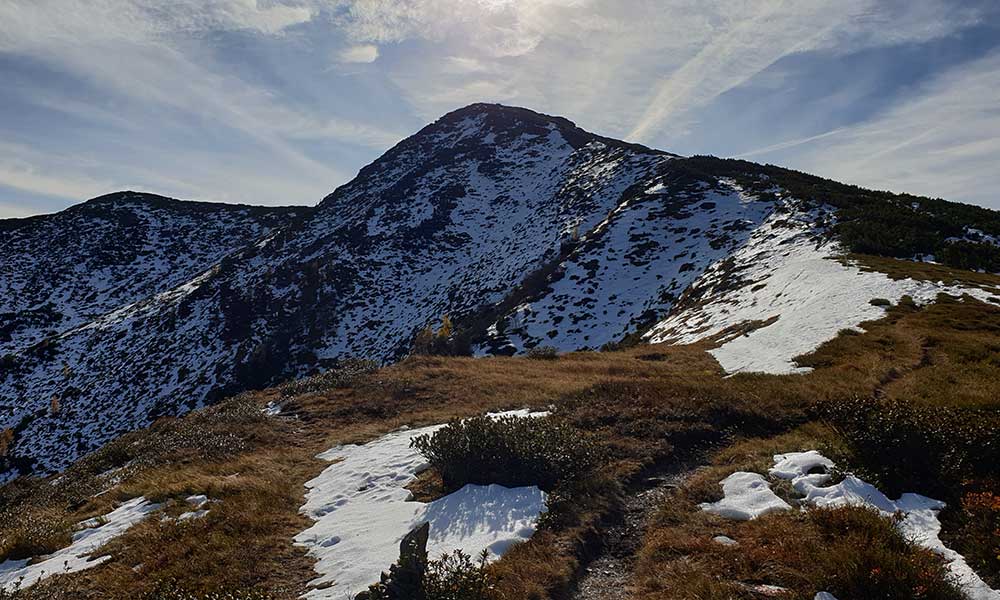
(503,117)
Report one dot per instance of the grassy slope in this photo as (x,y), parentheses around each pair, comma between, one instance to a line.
(649,405)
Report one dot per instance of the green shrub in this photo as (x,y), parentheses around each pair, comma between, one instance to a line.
(346,373)
(452,577)
(909,447)
(872,222)
(880,302)
(510,451)
(458,577)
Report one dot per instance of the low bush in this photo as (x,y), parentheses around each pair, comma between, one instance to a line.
(510,451)
(24,534)
(169,590)
(458,576)
(543,353)
(346,373)
(909,447)
(866,556)
(454,576)
(974,531)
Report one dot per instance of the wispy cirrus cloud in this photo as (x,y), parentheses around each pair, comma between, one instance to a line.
(279,101)
(944,141)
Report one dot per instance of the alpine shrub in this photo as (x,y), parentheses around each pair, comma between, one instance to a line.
(907,446)
(346,373)
(543,353)
(510,451)
(27,533)
(170,590)
(458,577)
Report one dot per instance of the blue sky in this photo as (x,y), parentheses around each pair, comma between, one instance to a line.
(280,101)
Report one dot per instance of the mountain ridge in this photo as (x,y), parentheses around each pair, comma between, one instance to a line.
(451,221)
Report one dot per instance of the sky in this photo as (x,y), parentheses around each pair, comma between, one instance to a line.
(280,101)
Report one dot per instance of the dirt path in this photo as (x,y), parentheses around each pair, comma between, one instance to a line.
(607,577)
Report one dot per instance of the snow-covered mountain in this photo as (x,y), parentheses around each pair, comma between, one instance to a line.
(60,271)
(523,228)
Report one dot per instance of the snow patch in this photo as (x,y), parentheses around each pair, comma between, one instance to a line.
(747,496)
(92,535)
(197,502)
(800,466)
(920,514)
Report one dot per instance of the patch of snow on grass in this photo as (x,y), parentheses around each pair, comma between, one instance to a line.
(94,534)
(747,496)
(362,510)
(197,502)
(920,514)
(799,467)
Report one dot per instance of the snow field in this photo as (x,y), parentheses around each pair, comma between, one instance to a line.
(789,273)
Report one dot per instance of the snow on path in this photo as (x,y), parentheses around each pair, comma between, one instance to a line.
(789,274)
(748,496)
(76,556)
(362,510)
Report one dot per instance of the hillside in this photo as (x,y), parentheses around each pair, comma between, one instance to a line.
(908,403)
(523,229)
(63,270)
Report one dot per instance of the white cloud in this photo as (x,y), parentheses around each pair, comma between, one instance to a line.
(21,169)
(655,63)
(29,179)
(754,38)
(364,53)
(497,27)
(29,24)
(140,54)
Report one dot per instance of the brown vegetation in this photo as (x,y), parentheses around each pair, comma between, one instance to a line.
(646,407)
(851,552)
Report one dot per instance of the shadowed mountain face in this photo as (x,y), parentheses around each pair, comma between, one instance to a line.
(63,270)
(523,228)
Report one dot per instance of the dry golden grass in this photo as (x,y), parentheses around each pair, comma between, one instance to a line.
(905,269)
(944,354)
